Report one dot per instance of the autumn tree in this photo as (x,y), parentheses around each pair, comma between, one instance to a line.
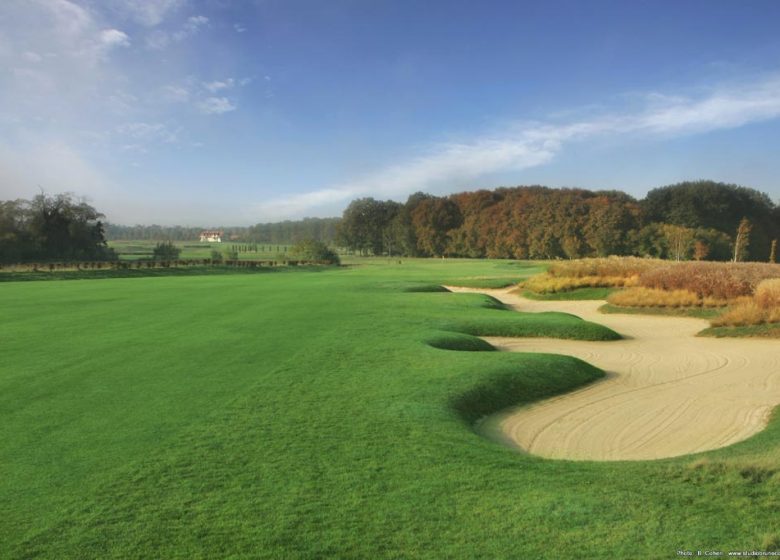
(700,250)
(742,240)
(678,240)
(433,219)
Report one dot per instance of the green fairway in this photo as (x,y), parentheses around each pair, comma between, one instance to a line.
(324,413)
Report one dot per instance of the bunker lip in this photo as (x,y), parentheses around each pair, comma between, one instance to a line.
(667,392)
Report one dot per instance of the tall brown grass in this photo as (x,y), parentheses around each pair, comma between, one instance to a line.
(763,307)
(546,284)
(652,297)
(611,267)
(710,279)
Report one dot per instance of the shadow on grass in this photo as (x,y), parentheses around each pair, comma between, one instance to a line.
(541,376)
(459,342)
(103,274)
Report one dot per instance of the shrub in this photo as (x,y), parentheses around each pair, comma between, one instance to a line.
(313,250)
(767,294)
(166,251)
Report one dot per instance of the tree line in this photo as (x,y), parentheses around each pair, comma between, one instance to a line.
(47,228)
(690,220)
(282,233)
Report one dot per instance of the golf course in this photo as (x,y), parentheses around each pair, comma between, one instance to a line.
(312,412)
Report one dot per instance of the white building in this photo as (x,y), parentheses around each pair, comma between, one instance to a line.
(212,236)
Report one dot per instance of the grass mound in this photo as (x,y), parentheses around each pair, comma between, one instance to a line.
(460,342)
(542,376)
(548,324)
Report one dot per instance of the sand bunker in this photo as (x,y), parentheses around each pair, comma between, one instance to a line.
(666,393)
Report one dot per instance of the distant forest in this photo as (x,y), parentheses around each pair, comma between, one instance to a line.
(691,220)
(287,232)
(701,220)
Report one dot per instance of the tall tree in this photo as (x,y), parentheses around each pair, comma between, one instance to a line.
(679,240)
(742,240)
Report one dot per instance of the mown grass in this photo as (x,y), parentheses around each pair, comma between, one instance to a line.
(306,415)
(107,273)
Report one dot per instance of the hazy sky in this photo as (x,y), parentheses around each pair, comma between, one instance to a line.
(209,112)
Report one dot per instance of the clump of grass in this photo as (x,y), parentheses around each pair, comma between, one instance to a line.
(771,542)
(709,279)
(767,294)
(612,272)
(763,307)
(652,297)
(615,267)
(550,284)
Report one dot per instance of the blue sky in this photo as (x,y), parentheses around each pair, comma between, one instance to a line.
(219,112)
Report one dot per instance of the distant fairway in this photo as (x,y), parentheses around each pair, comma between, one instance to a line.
(135,250)
(307,414)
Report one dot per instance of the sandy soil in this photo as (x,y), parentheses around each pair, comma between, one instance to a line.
(666,393)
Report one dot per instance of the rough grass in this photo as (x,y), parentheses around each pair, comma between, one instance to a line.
(303,415)
(549,284)
(574,294)
(723,281)
(651,297)
(611,267)
(770,330)
(697,312)
(763,307)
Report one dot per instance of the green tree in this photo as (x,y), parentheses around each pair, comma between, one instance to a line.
(57,227)
(720,206)
(679,240)
(366,225)
(166,251)
(313,250)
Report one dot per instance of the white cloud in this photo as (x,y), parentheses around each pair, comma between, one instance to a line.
(531,145)
(239,28)
(31,56)
(216,105)
(194,23)
(114,38)
(147,12)
(147,132)
(158,39)
(176,94)
(215,86)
